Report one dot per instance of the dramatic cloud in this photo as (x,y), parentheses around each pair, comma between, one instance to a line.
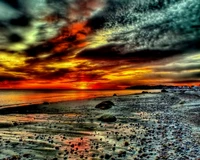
(10,78)
(113,52)
(99,43)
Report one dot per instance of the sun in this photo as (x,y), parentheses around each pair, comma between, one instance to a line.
(83,85)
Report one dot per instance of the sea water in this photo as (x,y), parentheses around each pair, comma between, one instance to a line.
(24,97)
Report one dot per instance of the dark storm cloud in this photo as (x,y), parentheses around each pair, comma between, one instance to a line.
(42,19)
(11,78)
(192,75)
(178,68)
(186,81)
(174,77)
(15,4)
(113,52)
(19,17)
(132,31)
(21,21)
(49,48)
(152,24)
(52,74)
(141,6)
(37,50)
(155,24)
(46,73)
(15,38)
(97,22)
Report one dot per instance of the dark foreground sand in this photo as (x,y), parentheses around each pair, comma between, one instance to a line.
(148,126)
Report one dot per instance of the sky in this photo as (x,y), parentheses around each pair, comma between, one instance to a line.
(99,44)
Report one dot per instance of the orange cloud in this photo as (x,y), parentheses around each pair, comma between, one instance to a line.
(73,36)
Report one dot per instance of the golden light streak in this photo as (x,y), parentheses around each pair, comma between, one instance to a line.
(43,56)
(127,74)
(70,64)
(12,60)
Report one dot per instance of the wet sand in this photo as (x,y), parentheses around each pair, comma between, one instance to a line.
(148,126)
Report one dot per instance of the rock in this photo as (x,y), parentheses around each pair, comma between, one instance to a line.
(26,155)
(57,148)
(122,154)
(107,156)
(182,102)
(145,92)
(114,94)
(15,157)
(164,90)
(7,141)
(105,105)
(126,143)
(15,124)
(5,124)
(107,118)
(46,103)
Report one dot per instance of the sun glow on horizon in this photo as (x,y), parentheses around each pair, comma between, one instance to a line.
(82,86)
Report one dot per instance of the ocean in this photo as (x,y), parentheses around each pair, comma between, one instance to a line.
(23,97)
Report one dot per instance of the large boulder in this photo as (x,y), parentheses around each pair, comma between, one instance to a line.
(105,105)
(164,90)
(107,118)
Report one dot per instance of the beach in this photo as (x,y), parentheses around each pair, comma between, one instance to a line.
(143,126)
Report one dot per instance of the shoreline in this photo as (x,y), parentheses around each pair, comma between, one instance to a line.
(147,126)
(39,102)
(195,93)
(31,108)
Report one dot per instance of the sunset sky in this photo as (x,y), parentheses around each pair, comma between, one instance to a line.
(99,44)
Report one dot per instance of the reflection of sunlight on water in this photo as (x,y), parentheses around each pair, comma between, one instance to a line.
(15,118)
(71,115)
(44,132)
(24,97)
(24,118)
(80,144)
